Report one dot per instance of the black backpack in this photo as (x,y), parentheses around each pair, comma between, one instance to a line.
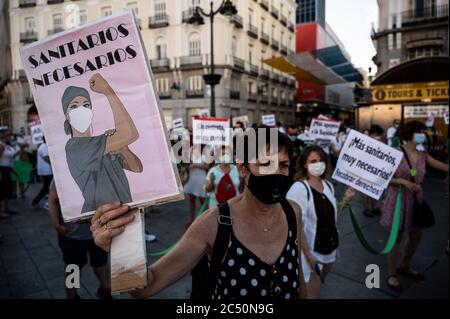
(204,274)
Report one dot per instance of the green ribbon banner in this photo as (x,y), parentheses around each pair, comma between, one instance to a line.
(394,230)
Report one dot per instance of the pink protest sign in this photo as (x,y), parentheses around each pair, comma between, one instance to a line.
(95,95)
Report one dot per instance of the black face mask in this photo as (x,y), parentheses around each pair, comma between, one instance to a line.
(269,189)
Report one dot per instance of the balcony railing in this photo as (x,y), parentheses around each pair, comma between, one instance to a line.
(252,96)
(27,3)
(235,95)
(275,44)
(252,31)
(264,38)
(165,95)
(425,14)
(237,63)
(264,98)
(55,30)
(275,77)
(191,61)
(160,64)
(158,21)
(188,14)
(274,12)
(264,4)
(283,20)
(192,94)
(265,74)
(54,1)
(254,69)
(284,50)
(291,26)
(237,21)
(28,36)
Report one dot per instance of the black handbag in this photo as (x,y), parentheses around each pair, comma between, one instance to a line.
(423,216)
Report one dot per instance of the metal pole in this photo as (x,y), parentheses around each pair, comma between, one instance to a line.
(213,95)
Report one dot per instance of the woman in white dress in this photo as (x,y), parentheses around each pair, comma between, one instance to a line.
(194,186)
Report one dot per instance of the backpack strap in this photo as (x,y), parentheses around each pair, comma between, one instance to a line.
(290,216)
(307,189)
(220,245)
(329,186)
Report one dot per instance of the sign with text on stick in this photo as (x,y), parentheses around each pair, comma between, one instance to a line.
(269,120)
(211,131)
(37,134)
(324,129)
(366,164)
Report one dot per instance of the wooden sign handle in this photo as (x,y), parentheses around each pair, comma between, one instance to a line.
(129,257)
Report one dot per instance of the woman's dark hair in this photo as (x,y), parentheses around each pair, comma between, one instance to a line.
(375,129)
(407,131)
(245,154)
(302,169)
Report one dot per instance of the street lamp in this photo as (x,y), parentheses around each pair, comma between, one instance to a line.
(228,9)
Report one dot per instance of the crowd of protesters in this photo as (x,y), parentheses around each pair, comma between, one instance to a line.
(268,236)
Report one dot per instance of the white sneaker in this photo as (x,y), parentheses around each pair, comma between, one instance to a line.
(150,237)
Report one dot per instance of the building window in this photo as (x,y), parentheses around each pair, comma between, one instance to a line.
(30,24)
(398,40)
(263,25)
(160,8)
(83,17)
(251,87)
(390,41)
(162,85)
(106,11)
(57,22)
(195,45)
(161,49)
(234,45)
(133,6)
(250,16)
(306,11)
(235,85)
(195,83)
(250,54)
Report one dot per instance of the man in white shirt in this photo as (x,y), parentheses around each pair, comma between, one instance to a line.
(390,133)
(44,171)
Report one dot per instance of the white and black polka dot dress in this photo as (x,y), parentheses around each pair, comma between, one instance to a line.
(243,275)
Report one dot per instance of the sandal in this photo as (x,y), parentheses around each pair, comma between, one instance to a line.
(396,287)
(408,272)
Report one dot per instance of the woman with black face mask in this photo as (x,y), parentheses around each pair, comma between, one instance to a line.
(315,195)
(260,256)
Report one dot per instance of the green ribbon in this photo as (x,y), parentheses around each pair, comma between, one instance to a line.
(394,230)
(200,211)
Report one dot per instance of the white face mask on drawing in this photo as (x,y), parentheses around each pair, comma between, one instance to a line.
(80,118)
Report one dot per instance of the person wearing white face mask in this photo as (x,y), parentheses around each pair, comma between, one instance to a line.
(316,198)
(97,163)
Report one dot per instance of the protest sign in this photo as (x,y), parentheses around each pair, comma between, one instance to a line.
(366,164)
(324,129)
(96,99)
(177,124)
(446,118)
(37,135)
(211,131)
(243,119)
(430,120)
(269,120)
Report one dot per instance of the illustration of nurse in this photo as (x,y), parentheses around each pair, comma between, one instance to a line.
(97,163)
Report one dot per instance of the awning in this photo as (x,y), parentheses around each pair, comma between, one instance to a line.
(281,64)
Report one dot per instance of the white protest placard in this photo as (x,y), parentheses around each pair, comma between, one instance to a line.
(446,118)
(324,129)
(243,119)
(177,124)
(211,131)
(269,120)
(37,133)
(321,116)
(430,120)
(366,164)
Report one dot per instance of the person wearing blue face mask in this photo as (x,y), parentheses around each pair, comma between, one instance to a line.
(253,241)
(410,176)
